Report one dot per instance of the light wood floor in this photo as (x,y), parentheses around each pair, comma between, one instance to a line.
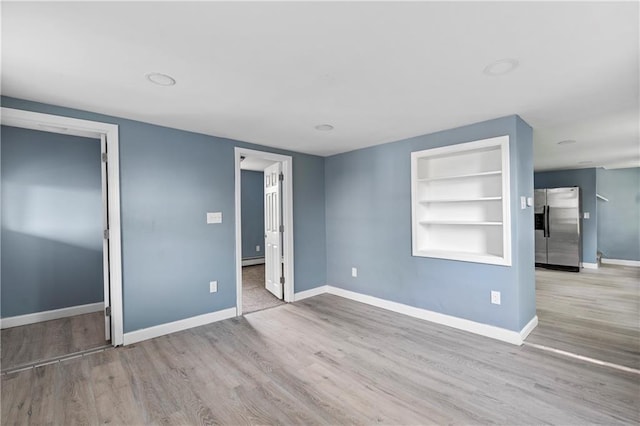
(255,296)
(323,360)
(594,313)
(49,339)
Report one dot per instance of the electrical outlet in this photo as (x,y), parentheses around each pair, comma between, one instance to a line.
(354,272)
(213,286)
(495,297)
(257,248)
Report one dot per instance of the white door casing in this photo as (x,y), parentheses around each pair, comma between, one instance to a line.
(287,220)
(105,239)
(272,231)
(108,135)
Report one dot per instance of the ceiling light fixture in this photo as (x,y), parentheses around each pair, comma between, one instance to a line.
(160,79)
(324,127)
(501,67)
(566,142)
(585,162)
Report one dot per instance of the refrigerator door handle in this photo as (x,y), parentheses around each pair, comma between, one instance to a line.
(547,223)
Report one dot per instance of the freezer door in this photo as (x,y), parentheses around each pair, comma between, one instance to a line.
(540,204)
(563,232)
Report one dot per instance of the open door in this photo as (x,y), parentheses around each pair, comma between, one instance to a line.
(105,240)
(274,278)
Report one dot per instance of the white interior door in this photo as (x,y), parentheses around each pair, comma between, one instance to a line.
(105,242)
(272,230)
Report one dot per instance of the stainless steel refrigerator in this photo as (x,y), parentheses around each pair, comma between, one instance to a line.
(557,228)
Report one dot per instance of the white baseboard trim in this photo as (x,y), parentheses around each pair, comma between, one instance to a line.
(621,262)
(524,333)
(310,293)
(254,261)
(502,334)
(71,311)
(175,326)
(587,265)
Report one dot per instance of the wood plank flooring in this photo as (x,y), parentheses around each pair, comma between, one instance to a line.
(593,313)
(323,360)
(49,339)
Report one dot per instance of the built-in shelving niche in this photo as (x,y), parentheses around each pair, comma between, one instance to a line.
(460,202)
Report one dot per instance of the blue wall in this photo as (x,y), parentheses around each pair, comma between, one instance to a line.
(368,217)
(252,213)
(586,180)
(619,218)
(169,180)
(51,221)
(523,229)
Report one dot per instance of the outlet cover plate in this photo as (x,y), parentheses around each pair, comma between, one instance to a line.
(213,286)
(354,272)
(495,297)
(214,217)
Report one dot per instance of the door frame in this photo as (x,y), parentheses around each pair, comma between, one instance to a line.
(92,129)
(287,220)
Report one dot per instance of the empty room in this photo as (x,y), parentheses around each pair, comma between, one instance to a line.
(320,213)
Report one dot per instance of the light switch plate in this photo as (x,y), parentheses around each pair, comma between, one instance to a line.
(523,203)
(354,272)
(586,215)
(257,248)
(213,286)
(214,217)
(530,201)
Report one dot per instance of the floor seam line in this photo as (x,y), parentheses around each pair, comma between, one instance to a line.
(584,358)
(54,360)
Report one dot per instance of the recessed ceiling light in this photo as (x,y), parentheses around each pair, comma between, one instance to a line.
(567,142)
(324,127)
(501,67)
(160,79)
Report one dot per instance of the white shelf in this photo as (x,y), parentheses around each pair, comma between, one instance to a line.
(462,176)
(460,200)
(464,256)
(459,222)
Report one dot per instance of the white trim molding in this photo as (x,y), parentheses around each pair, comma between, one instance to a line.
(524,333)
(287,220)
(312,292)
(92,129)
(621,262)
(587,265)
(53,314)
(502,334)
(175,326)
(253,261)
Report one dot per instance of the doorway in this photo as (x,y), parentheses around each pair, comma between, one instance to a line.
(67,326)
(264,270)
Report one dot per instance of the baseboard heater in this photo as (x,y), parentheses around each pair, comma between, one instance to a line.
(252,261)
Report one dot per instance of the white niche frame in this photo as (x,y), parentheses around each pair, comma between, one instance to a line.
(460,202)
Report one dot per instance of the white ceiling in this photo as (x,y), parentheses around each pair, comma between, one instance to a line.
(378,72)
(255,164)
